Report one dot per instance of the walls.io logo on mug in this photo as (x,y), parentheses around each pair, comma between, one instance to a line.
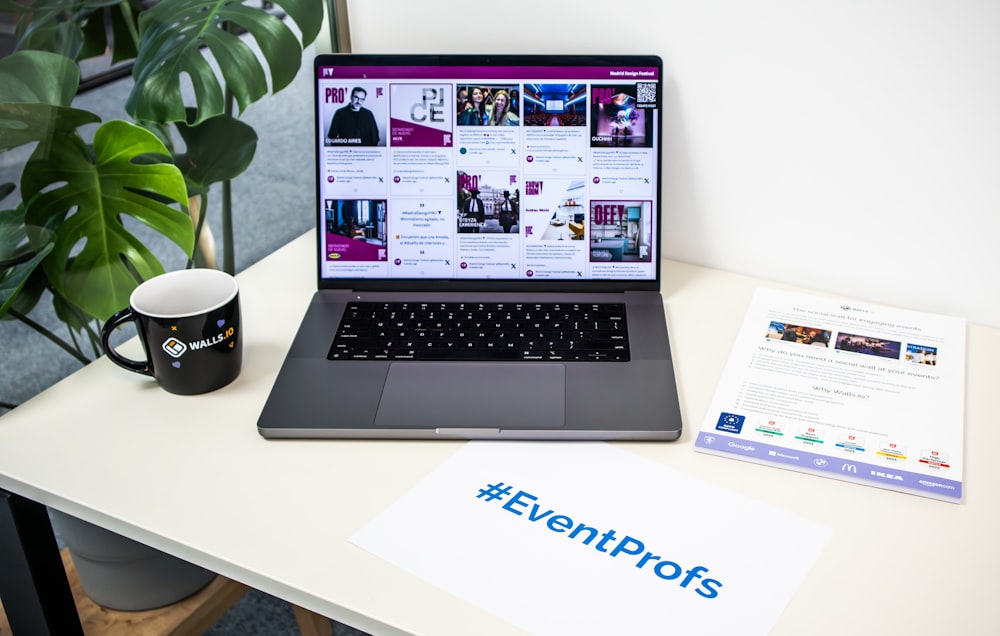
(174,347)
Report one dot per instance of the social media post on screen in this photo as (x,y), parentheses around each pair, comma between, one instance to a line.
(488,147)
(421,115)
(621,237)
(421,172)
(355,231)
(555,128)
(623,115)
(423,238)
(487,216)
(348,172)
(622,173)
(554,227)
(353,114)
(555,151)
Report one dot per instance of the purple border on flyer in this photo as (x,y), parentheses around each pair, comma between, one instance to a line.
(841,468)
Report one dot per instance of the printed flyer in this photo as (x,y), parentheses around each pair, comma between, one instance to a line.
(858,392)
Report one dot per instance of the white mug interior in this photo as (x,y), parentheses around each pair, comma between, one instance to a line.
(186,292)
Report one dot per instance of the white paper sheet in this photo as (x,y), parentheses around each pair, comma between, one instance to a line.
(587,538)
(854,391)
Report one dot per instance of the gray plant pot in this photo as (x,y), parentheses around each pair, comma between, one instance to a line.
(122,574)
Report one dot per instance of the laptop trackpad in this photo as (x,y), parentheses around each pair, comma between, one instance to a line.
(473,395)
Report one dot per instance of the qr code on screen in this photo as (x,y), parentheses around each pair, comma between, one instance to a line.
(645,94)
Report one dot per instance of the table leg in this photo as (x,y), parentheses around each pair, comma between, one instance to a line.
(33,585)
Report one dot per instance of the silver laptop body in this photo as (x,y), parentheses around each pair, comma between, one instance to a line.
(472,189)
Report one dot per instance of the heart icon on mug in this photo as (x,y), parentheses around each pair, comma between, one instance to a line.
(220,323)
(176,364)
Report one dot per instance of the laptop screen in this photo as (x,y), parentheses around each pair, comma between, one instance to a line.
(463,169)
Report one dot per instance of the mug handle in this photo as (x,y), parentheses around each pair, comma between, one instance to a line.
(119,318)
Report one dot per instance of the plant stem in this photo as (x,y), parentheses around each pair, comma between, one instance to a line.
(130,21)
(228,256)
(95,339)
(85,323)
(228,249)
(62,344)
(331,24)
(202,213)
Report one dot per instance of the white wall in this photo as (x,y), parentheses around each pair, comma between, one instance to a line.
(850,146)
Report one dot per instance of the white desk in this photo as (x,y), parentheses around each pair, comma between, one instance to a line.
(191,476)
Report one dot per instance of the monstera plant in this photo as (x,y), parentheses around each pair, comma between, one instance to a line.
(88,186)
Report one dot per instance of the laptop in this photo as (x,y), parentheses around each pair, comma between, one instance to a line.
(488,253)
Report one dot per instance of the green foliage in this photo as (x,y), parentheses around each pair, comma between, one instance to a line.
(36,89)
(218,149)
(72,28)
(174,34)
(70,232)
(18,259)
(80,193)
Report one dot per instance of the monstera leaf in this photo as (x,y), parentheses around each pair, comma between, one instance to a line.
(14,278)
(81,193)
(121,15)
(36,88)
(18,259)
(74,28)
(15,248)
(174,34)
(217,149)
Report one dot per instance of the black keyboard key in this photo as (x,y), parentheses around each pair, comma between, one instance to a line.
(469,355)
(482,331)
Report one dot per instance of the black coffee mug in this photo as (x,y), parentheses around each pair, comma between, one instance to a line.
(189,325)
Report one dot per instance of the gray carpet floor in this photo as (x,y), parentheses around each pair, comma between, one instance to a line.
(273,203)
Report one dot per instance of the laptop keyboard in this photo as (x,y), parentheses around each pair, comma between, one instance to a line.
(482,331)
